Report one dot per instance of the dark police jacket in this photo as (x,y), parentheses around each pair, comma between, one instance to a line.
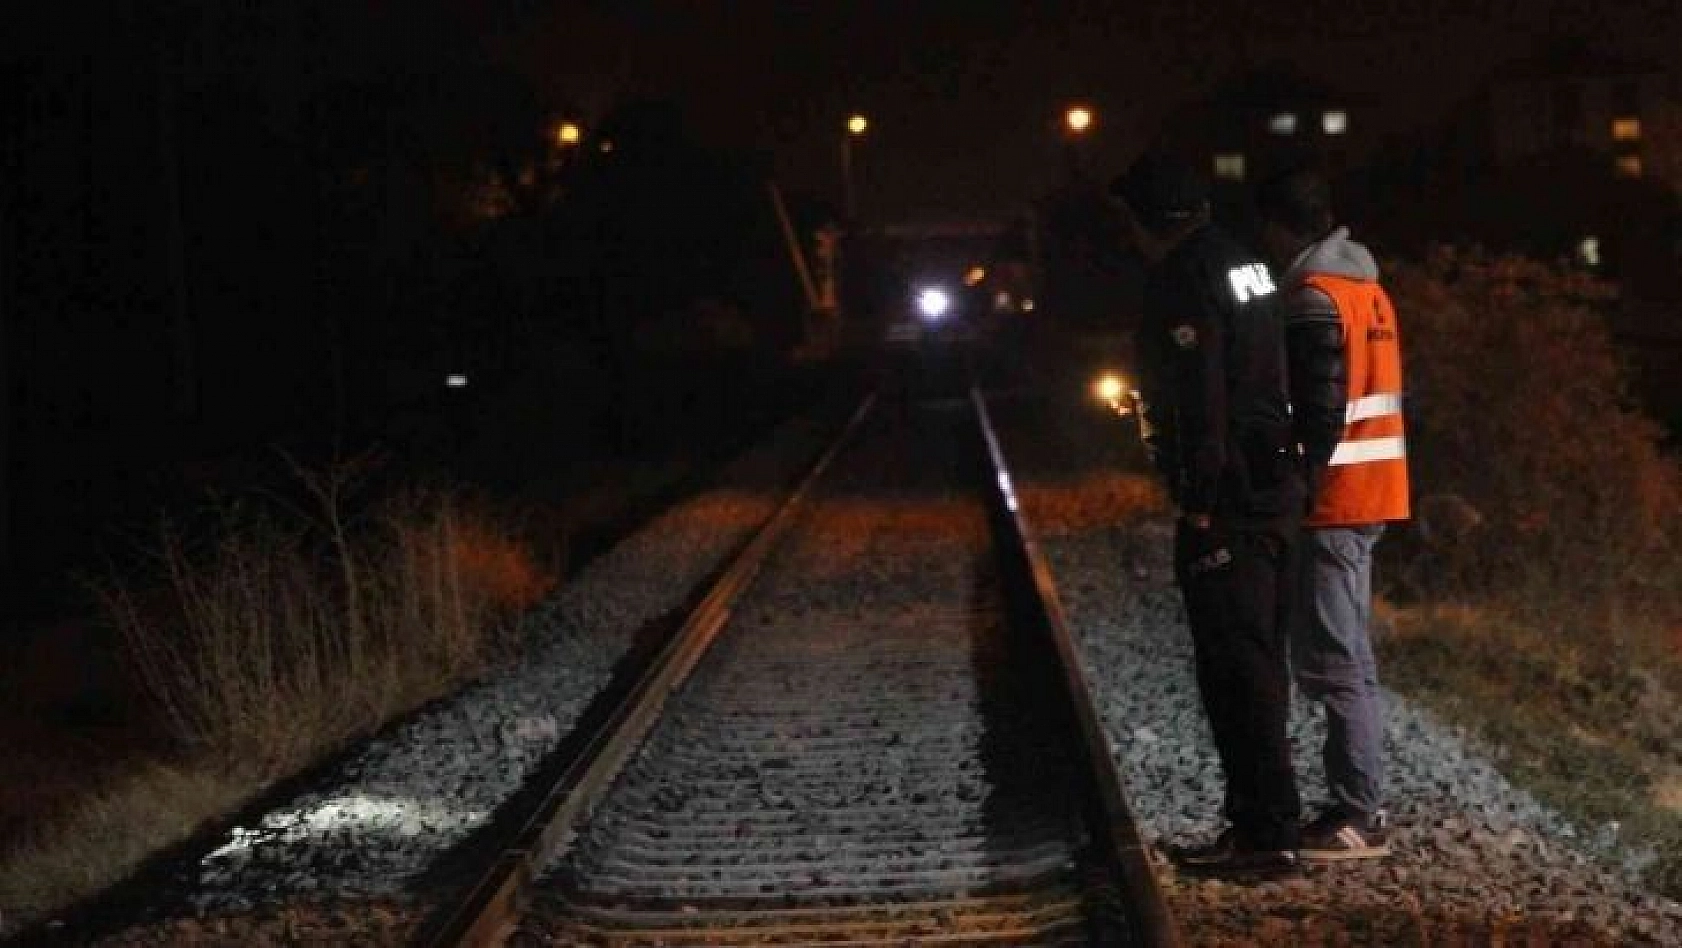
(1213,379)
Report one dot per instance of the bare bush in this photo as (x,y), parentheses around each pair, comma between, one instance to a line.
(1519,405)
(279,635)
(269,635)
(1545,556)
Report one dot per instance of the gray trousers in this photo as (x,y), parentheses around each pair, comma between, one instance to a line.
(1331,655)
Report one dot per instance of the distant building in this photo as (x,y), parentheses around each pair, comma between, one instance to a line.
(1260,120)
(1567,152)
(1569,98)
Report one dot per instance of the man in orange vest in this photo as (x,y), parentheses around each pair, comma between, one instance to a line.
(1346,398)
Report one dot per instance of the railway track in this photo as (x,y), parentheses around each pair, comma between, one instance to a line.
(889,745)
(871,732)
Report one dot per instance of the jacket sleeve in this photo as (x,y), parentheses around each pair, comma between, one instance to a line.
(1203,398)
(1319,374)
(1156,417)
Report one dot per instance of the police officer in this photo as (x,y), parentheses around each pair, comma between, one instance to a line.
(1217,421)
(1346,387)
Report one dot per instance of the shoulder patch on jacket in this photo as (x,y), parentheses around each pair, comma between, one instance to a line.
(1250,281)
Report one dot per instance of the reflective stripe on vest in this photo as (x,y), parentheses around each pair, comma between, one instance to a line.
(1372,406)
(1368,450)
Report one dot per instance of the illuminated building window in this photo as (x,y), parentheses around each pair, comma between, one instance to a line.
(1588,251)
(1628,166)
(1285,123)
(1229,167)
(1335,122)
(1627,129)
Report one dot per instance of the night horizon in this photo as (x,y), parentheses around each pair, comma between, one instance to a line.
(967,98)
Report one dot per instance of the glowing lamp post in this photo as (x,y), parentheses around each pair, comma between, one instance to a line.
(857,125)
(1077,119)
(1077,131)
(568,134)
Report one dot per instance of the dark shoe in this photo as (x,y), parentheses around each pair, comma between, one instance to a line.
(1334,837)
(1229,858)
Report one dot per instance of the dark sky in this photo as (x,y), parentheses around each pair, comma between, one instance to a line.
(964,95)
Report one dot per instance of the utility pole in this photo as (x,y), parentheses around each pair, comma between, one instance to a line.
(833,243)
(798,258)
(827,262)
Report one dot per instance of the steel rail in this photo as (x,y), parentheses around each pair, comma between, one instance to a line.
(493,905)
(1149,918)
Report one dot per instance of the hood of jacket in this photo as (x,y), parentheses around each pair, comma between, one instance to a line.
(1334,254)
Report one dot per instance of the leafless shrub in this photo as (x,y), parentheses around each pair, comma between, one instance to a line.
(1544,561)
(1520,408)
(285,632)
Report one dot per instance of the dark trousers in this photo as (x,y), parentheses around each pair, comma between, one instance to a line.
(1238,583)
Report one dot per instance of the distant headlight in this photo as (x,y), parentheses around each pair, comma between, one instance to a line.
(933,303)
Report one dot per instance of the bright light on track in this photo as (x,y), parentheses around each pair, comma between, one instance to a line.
(933,302)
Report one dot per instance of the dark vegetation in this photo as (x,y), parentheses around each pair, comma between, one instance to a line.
(242,247)
(229,230)
(1536,598)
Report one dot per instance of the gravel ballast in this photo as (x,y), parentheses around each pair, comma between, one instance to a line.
(342,858)
(1474,859)
(856,746)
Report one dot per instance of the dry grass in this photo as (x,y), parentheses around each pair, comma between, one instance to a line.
(1587,729)
(1080,503)
(110,832)
(282,635)
(272,638)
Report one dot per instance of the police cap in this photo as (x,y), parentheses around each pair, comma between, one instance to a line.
(1162,191)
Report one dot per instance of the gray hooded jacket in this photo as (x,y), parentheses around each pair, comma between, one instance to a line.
(1315,345)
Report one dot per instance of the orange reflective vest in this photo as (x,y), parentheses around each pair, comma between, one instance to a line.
(1367,480)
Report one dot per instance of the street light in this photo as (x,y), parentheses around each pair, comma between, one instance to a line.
(568,134)
(857,125)
(1077,119)
(1077,129)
